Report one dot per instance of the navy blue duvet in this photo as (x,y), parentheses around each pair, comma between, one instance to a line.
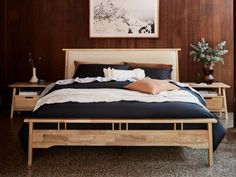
(124,109)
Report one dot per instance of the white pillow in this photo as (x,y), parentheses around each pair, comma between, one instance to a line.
(107,72)
(124,74)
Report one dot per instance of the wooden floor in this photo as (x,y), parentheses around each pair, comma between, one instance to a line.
(112,161)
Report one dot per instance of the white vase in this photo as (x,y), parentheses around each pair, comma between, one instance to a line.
(34,78)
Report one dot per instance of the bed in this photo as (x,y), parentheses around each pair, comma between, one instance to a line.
(122,123)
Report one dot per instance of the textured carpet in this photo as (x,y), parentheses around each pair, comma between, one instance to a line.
(113,161)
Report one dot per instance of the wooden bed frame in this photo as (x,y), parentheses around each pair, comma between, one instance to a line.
(120,136)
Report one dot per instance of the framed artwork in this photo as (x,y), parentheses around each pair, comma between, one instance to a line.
(124,18)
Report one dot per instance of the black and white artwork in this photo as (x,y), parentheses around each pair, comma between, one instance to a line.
(124,18)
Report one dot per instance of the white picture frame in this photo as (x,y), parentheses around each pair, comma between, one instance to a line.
(124,18)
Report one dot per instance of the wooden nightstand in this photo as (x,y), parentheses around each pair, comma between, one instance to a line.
(25,96)
(215,98)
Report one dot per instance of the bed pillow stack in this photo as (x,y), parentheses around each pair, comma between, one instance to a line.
(123,69)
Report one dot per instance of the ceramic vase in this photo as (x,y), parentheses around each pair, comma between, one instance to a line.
(34,78)
(208,73)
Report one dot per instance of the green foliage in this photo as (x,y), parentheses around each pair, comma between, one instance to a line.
(201,52)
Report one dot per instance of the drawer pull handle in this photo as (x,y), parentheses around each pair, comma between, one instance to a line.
(29,97)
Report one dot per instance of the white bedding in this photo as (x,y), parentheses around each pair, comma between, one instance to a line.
(113,95)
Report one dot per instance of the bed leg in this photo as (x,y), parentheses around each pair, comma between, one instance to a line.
(30,149)
(210,145)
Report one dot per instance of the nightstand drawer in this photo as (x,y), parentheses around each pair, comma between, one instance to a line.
(25,102)
(214,102)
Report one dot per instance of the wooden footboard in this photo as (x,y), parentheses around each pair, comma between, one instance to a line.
(45,138)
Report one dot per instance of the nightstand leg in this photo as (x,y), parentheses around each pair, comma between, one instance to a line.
(210,145)
(220,93)
(30,148)
(225,104)
(12,102)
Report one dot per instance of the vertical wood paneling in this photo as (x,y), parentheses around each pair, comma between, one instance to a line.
(2,45)
(45,27)
(234,65)
(1,50)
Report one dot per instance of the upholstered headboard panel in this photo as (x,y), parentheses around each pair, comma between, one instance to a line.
(159,56)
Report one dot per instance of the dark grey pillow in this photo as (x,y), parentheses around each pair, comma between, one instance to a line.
(95,70)
(156,73)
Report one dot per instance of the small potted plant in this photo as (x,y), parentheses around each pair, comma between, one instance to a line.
(201,52)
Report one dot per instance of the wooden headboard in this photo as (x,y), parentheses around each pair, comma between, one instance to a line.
(160,56)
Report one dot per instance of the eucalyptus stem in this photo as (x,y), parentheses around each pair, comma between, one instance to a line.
(202,52)
(34,61)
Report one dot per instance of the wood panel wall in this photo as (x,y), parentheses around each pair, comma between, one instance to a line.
(234,108)
(2,44)
(45,27)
